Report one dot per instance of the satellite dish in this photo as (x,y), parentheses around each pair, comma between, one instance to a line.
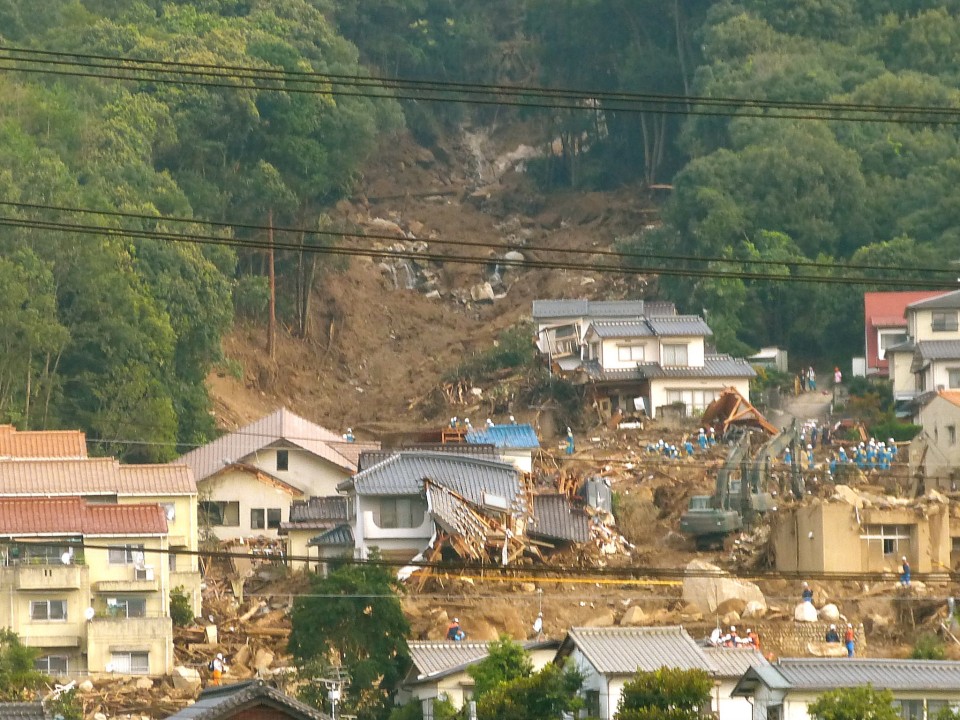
(89,613)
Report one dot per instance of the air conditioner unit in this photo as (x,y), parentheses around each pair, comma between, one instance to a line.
(143,573)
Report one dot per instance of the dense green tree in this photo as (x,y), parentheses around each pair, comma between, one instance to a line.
(545,695)
(364,632)
(18,679)
(854,703)
(506,661)
(665,694)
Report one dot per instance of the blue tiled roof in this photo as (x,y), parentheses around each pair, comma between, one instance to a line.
(521,436)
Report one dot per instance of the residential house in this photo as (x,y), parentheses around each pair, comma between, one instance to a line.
(609,657)
(251,700)
(440,670)
(637,357)
(785,689)
(42,444)
(105,480)
(562,324)
(885,325)
(87,584)
(770,358)
(249,478)
(935,452)
(929,359)
(312,519)
(398,504)
(515,442)
(854,532)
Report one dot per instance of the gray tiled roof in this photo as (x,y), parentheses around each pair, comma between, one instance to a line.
(225,701)
(554,309)
(634,328)
(370,458)
(279,426)
(437,659)
(404,472)
(714,366)
(624,650)
(897,675)
(947,301)
(455,516)
(938,349)
(734,662)
(22,711)
(341,535)
(554,517)
(907,346)
(679,325)
(329,509)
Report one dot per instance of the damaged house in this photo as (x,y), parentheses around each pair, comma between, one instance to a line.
(858,532)
(478,507)
(637,357)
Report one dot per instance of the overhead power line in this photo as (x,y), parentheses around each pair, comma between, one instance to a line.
(404,254)
(159,71)
(619,254)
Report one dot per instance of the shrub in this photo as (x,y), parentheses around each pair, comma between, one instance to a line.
(181,612)
(928,647)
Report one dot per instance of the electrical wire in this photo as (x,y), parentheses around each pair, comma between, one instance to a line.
(117,62)
(198,239)
(685,106)
(623,255)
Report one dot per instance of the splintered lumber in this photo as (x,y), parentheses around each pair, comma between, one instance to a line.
(267,632)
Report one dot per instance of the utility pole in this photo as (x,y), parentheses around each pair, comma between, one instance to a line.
(335,682)
(272,321)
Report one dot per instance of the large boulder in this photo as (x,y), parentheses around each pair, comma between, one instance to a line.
(825,649)
(604,618)
(634,615)
(707,586)
(186,679)
(830,612)
(753,610)
(805,612)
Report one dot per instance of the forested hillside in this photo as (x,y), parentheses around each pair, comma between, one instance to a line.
(245,113)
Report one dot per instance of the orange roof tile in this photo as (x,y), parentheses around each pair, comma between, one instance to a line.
(952,396)
(93,476)
(42,443)
(74,516)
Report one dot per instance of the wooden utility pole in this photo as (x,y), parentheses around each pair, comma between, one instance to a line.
(272,321)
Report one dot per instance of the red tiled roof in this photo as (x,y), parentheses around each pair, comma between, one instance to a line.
(884,310)
(42,443)
(93,476)
(74,516)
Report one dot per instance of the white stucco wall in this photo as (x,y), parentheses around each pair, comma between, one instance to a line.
(729,708)
(609,352)
(660,386)
(920,323)
(903,380)
(368,534)
(237,485)
(307,472)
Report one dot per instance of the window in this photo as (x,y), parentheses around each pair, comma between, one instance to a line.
(774,712)
(221,513)
(889,340)
(51,664)
(953,378)
(674,355)
(594,352)
(696,401)
(261,518)
(399,513)
(283,460)
(895,539)
(48,609)
(909,709)
(952,434)
(944,320)
(130,663)
(172,561)
(591,703)
(126,555)
(630,353)
(273,518)
(127,607)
